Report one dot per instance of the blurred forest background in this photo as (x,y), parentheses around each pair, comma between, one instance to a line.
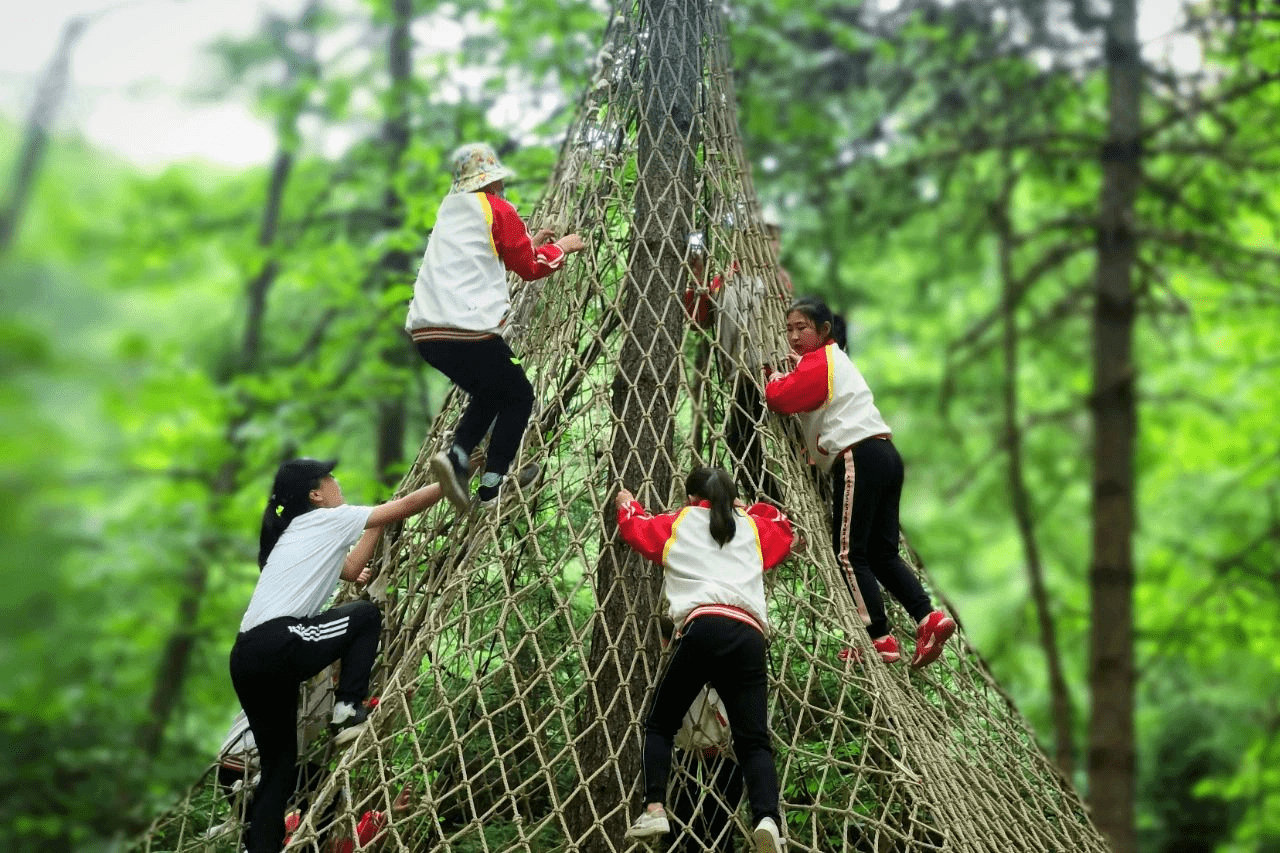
(950,173)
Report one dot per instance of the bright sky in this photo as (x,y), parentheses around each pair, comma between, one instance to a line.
(134,67)
(131,72)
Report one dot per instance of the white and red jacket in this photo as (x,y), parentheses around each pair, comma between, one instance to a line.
(833,401)
(701,576)
(461,290)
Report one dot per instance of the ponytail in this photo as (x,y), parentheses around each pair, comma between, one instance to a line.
(272,527)
(290,498)
(275,518)
(717,487)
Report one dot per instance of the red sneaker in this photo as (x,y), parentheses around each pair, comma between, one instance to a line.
(935,630)
(371,823)
(887,646)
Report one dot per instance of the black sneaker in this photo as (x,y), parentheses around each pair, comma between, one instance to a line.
(348,721)
(523,477)
(453,478)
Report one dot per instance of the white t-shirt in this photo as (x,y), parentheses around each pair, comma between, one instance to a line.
(303,568)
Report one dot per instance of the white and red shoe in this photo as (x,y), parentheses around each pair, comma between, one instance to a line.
(933,632)
(888,648)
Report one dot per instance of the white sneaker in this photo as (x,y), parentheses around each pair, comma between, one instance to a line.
(348,722)
(649,825)
(766,837)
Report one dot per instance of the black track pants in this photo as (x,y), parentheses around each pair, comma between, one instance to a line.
(866,486)
(268,662)
(730,656)
(500,394)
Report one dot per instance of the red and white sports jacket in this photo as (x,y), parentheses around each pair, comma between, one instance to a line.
(461,291)
(702,577)
(833,401)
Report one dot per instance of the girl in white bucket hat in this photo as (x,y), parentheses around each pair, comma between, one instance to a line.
(460,303)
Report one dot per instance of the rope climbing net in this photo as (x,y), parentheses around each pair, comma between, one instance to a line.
(521,642)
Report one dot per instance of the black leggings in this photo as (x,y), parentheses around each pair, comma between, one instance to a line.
(730,656)
(866,486)
(268,663)
(743,433)
(500,394)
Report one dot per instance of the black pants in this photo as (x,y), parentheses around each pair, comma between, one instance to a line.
(730,656)
(268,663)
(743,434)
(491,374)
(704,803)
(866,487)
(310,775)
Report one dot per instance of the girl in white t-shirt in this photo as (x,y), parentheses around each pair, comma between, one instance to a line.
(305,546)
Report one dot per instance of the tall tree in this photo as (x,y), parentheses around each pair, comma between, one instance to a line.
(299,70)
(643,396)
(1112,752)
(395,263)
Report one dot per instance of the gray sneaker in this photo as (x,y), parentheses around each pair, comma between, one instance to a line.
(488,495)
(453,479)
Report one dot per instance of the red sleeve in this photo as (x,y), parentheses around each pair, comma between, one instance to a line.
(775,533)
(803,389)
(648,534)
(511,239)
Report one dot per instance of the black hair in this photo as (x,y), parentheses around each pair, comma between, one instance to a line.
(290,498)
(716,486)
(817,311)
(840,331)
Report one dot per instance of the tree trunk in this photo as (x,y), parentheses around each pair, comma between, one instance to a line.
(395,264)
(643,399)
(260,286)
(171,674)
(178,648)
(1111,672)
(1062,711)
(36,138)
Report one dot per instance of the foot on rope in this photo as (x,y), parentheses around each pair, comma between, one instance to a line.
(886,646)
(766,836)
(651,823)
(348,721)
(934,630)
(452,473)
(488,493)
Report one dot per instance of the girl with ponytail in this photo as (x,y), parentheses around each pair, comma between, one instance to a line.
(714,552)
(310,538)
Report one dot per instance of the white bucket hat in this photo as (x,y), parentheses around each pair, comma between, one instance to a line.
(476,165)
